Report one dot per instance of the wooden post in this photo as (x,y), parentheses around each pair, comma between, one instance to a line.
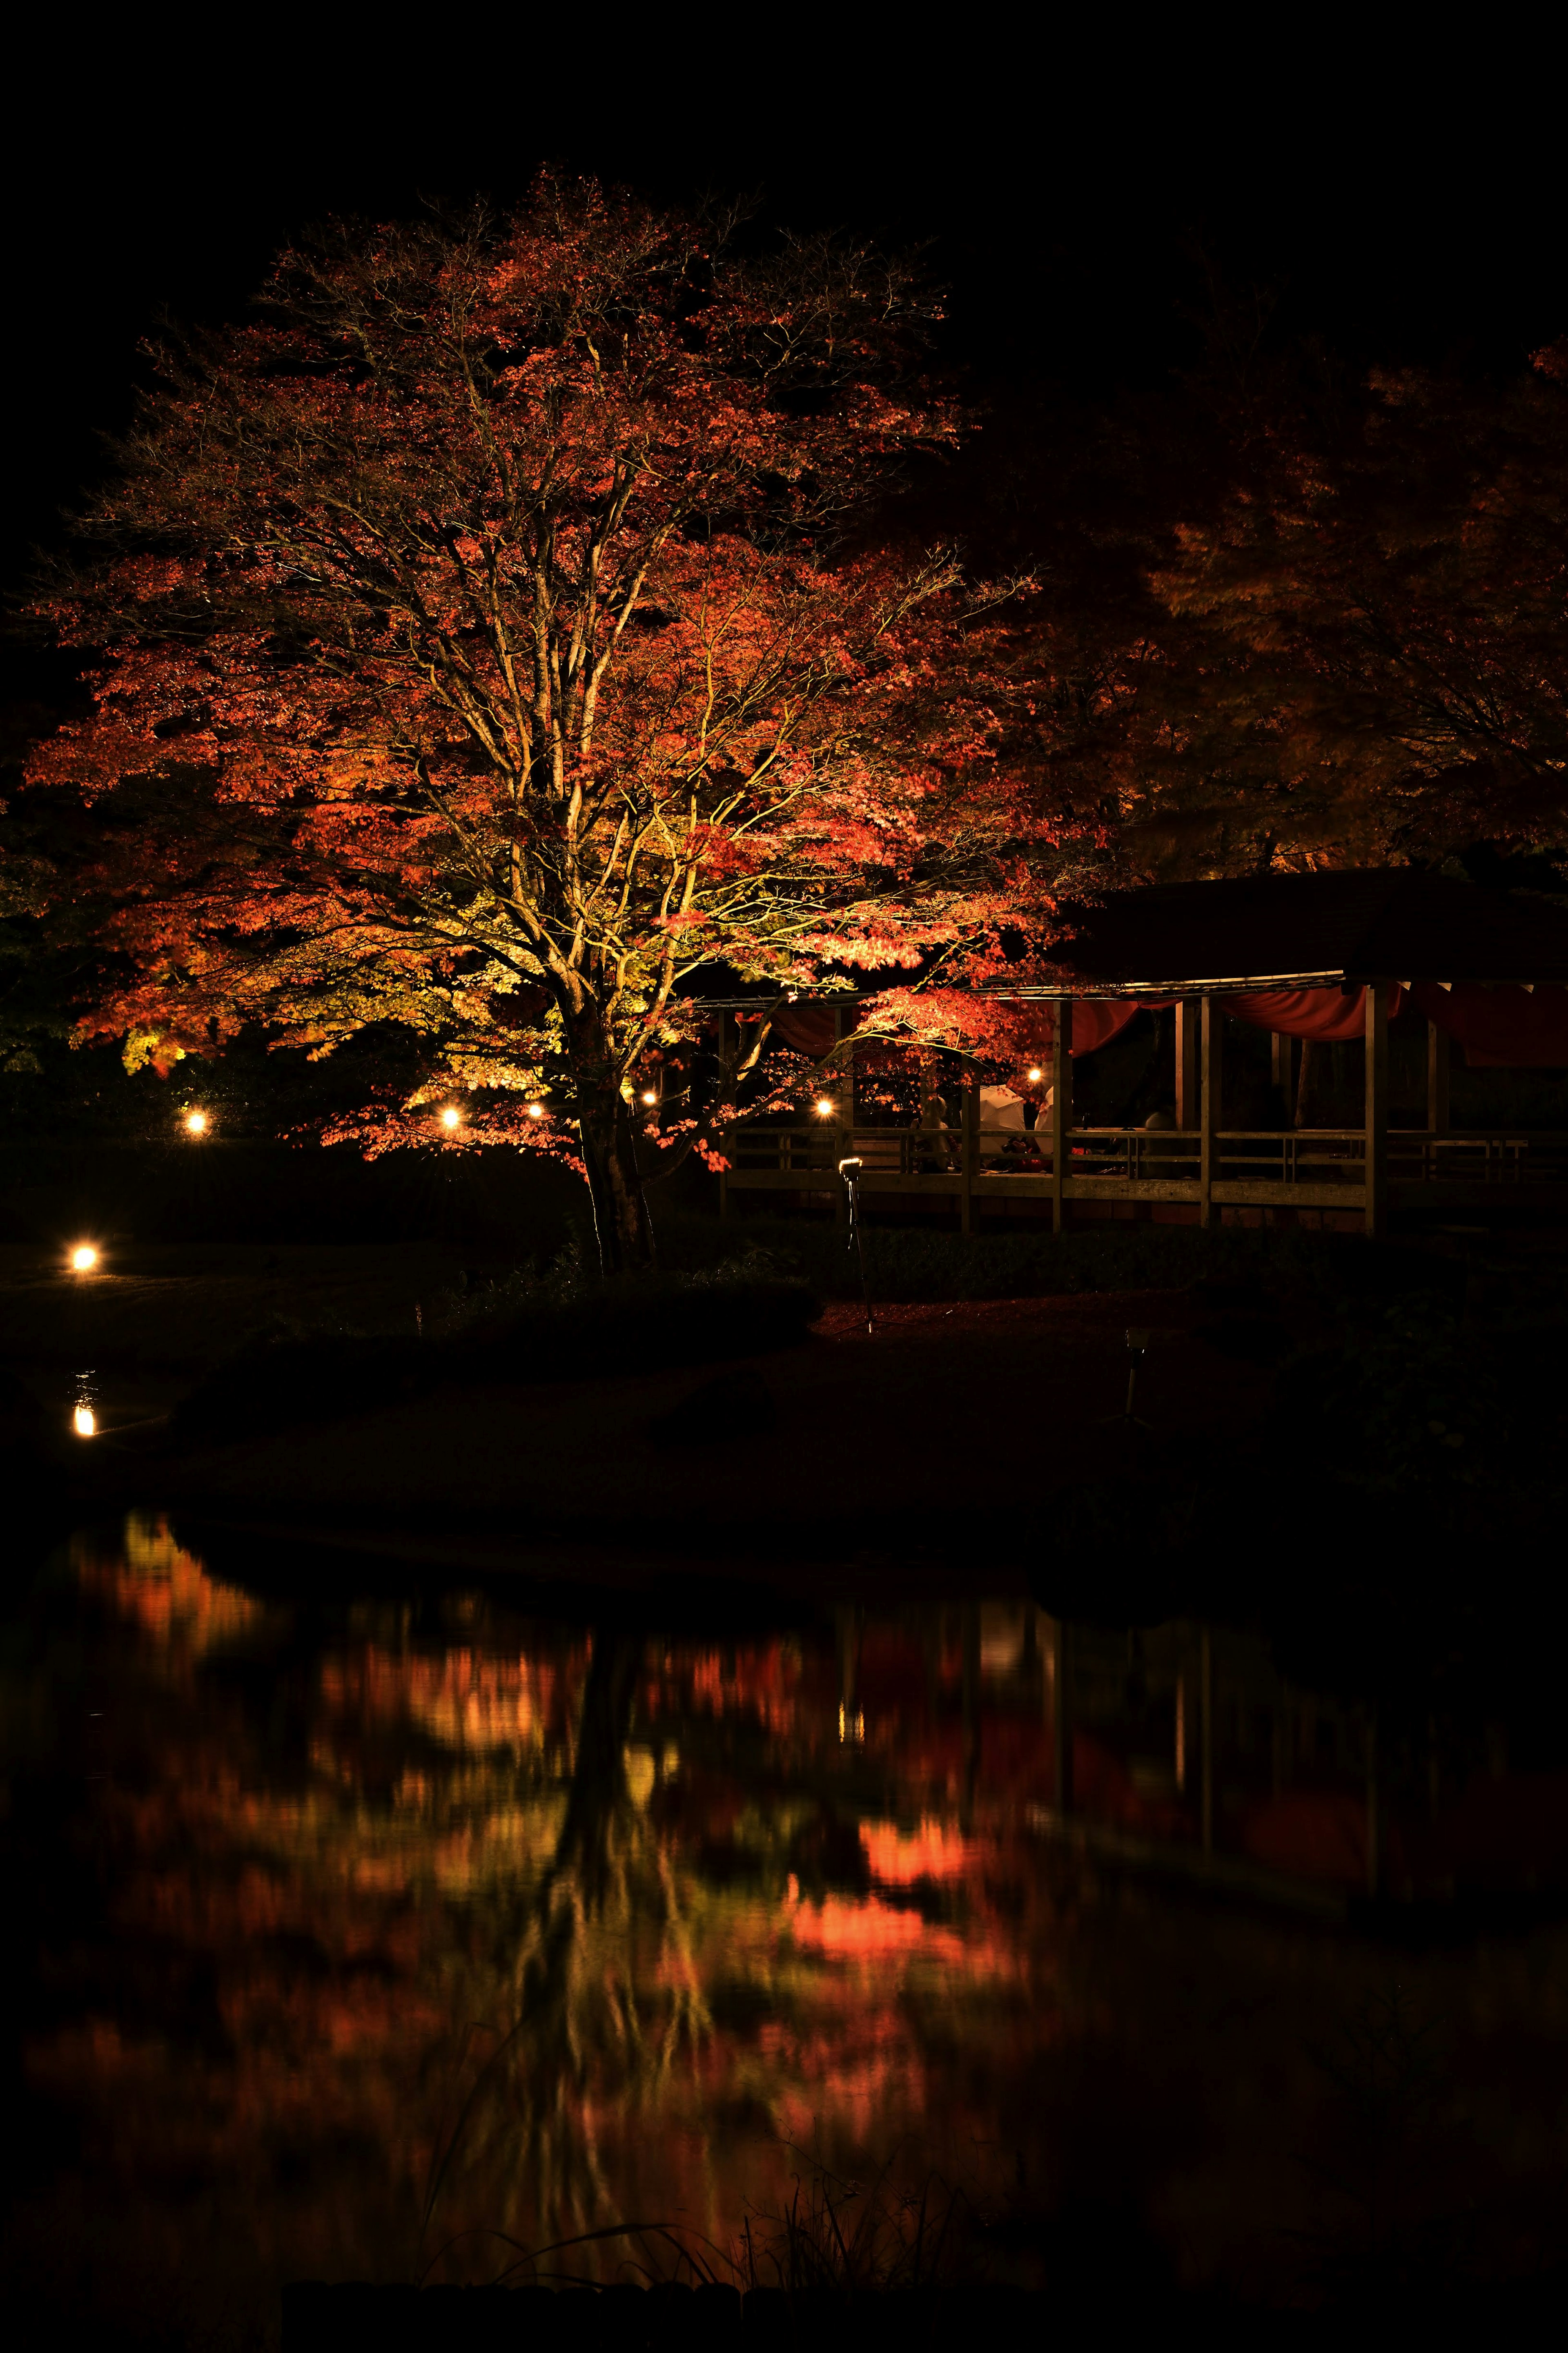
(1061,1726)
(1061,1108)
(725,1019)
(1209,1087)
(1186,1062)
(1438,1061)
(1376,1111)
(970,1147)
(1281,1043)
(1207,1733)
(846,1093)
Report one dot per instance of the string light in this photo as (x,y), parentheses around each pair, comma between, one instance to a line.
(84,1421)
(84,1257)
(195,1123)
(451,1119)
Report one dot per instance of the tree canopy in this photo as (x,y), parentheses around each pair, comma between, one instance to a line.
(479,634)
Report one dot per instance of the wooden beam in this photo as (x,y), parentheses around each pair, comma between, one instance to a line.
(1437,1065)
(1210,1085)
(1186,1062)
(1376,1111)
(1061,1107)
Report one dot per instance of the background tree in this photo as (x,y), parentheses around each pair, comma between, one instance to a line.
(1390,599)
(479,629)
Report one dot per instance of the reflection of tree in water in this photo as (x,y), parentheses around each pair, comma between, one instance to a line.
(605,1997)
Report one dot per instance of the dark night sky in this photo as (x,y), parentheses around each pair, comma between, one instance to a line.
(1408,205)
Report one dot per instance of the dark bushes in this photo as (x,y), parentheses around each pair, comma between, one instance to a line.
(526,1332)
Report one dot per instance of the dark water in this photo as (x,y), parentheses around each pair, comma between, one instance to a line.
(358,1932)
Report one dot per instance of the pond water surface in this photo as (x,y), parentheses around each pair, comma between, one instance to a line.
(366,1931)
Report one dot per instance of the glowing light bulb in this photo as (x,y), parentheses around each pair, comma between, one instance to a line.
(450,1119)
(84,1421)
(84,1259)
(650,1097)
(826,1108)
(196,1123)
(536,1111)
(1036,1074)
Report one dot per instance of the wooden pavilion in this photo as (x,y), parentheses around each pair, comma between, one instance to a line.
(1326,957)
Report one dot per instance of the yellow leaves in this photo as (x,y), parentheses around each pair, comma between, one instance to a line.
(144,1046)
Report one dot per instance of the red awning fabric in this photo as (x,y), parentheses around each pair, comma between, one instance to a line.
(807,1028)
(1331,1016)
(1094,1022)
(1500,1029)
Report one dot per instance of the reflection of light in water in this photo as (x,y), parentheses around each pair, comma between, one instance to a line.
(84,1257)
(851,1727)
(84,1421)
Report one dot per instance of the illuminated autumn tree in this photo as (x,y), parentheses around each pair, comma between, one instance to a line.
(477,632)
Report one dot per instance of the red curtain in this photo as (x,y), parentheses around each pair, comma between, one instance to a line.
(807,1028)
(1094,1022)
(1500,1029)
(1331,1016)
(1506,1023)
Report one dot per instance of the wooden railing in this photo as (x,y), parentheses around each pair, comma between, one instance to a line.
(1324,1168)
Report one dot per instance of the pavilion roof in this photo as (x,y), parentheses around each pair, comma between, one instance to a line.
(1282,930)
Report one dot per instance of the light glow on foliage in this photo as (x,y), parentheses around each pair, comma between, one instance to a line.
(454,459)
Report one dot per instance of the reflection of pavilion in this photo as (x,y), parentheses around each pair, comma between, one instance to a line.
(1182,1750)
(1316,961)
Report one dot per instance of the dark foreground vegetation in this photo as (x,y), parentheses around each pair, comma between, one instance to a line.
(1387,1407)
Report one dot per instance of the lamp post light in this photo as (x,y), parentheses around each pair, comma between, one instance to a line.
(195,1123)
(84,1257)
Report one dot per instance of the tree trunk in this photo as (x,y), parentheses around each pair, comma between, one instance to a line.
(615,1183)
(621,1223)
